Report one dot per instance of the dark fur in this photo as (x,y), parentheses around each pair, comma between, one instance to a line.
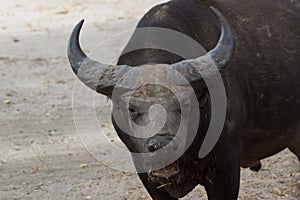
(262,85)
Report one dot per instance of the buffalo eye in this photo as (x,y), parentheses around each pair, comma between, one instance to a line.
(133,113)
(132,110)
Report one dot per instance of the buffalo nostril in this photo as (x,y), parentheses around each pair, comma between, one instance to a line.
(152,148)
(153,144)
(156,143)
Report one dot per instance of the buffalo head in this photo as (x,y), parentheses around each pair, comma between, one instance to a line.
(144,101)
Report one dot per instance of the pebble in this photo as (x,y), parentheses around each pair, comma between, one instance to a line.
(34,170)
(52,132)
(84,165)
(7,101)
(10,93)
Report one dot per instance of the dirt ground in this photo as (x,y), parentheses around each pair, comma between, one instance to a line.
(41,154)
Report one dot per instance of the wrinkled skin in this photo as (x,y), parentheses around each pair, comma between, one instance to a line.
(140,103)
(261,84)
(262,89)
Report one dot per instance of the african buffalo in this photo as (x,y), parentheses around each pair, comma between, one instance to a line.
(255,46)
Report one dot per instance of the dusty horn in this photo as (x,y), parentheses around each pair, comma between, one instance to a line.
(215,59)
(97,76)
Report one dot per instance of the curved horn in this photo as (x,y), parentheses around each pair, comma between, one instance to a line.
(215,59)
(97,76)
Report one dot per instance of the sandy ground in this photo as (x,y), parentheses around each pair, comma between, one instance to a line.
(41,154)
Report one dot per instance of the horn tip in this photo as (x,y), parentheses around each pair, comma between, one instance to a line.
(216,11)
(74,51)
(79,24)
